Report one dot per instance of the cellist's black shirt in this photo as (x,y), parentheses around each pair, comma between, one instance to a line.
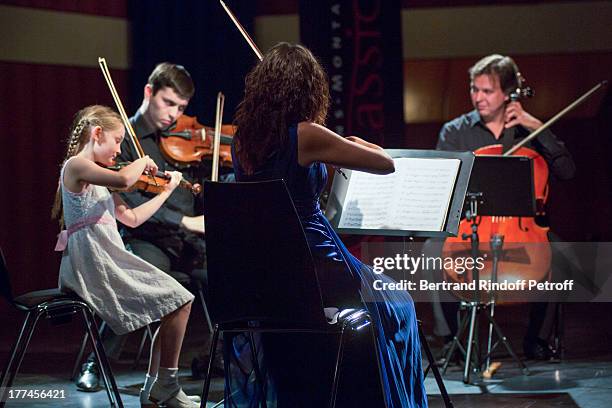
(468,133)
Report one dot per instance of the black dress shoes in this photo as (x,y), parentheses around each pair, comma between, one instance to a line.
(537,349)
(89,377)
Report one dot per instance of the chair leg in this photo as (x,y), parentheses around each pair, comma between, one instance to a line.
(77,361)
(258,378)
(213,348)
(558,334)
(17,354)
(434,369)
(103,364)
(377,352)
(339,354)
(204,308)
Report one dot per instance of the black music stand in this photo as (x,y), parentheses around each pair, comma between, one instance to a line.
(337,197)
(497,188)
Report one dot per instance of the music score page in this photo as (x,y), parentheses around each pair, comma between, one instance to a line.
(415,197)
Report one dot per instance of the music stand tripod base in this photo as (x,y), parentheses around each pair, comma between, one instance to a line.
(471,353)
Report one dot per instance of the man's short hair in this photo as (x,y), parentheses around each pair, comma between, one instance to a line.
(173,76)
(503,67)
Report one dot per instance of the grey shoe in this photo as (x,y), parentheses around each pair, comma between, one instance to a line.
(145,402)
(89,377)
(171,398)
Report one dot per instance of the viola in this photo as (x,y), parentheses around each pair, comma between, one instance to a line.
(187,142)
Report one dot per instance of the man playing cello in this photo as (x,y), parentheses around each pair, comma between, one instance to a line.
(499,119)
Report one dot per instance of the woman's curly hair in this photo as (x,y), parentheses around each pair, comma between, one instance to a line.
(288,86)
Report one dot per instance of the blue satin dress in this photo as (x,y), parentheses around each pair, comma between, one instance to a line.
(297,369)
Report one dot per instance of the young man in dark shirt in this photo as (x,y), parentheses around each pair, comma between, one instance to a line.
(172,239)
(497,119)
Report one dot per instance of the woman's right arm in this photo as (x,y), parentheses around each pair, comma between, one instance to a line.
(316,143)
(80,171)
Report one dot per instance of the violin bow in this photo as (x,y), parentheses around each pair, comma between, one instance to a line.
(217,139)
(240,28)
(124,117)
(556,117)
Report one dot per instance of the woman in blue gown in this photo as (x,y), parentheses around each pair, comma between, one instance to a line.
(281,135)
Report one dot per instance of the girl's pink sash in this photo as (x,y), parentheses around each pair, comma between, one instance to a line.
(62,238)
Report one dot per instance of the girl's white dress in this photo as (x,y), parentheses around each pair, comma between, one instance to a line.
(125,291)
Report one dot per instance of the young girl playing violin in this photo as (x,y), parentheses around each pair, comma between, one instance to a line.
(125,291)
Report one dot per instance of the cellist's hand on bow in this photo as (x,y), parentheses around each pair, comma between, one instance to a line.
(515,115)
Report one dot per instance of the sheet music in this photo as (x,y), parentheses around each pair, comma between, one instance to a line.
(415,198)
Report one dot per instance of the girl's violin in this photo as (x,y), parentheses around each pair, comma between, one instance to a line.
(156,183)
(187,142)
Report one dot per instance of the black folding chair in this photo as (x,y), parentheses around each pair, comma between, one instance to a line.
(244,222)
(51,304)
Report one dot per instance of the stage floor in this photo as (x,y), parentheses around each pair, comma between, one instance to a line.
(580,383)
(583,379)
